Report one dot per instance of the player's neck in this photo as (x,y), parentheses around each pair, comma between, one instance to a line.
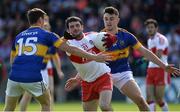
(80,36)
(35,25)
(113,31)
(152,35)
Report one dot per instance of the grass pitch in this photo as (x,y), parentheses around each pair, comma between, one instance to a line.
(76,106)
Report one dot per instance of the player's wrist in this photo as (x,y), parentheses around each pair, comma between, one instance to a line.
(78,79)
(167,68)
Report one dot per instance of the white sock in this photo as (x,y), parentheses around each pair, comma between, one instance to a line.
(152,107)
(165,107)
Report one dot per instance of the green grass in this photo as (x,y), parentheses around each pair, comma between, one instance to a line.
(76,106)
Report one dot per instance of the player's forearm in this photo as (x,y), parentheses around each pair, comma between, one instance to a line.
(78,78)
(11,57)
(11,60)
(57,62)
(152,57)
(81,53)
(76,51)
(159,53)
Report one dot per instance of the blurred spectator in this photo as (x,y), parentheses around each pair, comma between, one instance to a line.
(92,22)
(136,25)
(3,78)
(3,71)
(174,47)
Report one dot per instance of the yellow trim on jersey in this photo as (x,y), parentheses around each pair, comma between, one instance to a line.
(27,48)
(13,53)
(17,49)
(118,54)
(43,50)
(138,45)
(54,55)
(47,57)
(58,42)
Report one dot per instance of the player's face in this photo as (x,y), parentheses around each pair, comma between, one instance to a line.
(46,23)
(151,29)
(75,28)
(42,21)
(47,26)
(110,21)
(46,19)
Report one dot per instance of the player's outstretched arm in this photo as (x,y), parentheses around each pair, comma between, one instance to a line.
(101,57)
(152,57)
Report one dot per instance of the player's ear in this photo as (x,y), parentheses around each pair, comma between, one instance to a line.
(41,19)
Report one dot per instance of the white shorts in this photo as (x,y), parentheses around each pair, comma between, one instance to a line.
(120,79)
(49,64)
(45,76)
(17,88)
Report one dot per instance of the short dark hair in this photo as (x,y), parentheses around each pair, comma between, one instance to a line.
(73,19)
(151,21)
(34,14)
(111,10)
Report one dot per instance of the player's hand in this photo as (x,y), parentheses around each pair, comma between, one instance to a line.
(103,57)
(109,40)
(71,84)
(174,71)
(68,36)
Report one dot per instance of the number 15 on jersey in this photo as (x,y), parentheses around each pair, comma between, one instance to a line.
(28,46)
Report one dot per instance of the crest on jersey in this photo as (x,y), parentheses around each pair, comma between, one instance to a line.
(91,42)
(121,43)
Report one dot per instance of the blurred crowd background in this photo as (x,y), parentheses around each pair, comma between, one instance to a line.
(133,13)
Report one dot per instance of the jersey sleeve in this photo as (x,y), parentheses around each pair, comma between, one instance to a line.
(55,40)
(133,41)
(52,51)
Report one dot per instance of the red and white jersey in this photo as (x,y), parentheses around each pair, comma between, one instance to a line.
(155,43)
(89,70)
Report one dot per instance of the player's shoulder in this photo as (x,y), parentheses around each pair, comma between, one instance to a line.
(122,30)
(160,39)
(55,34)
(126,34)
(119,30)
(92,33)
(51,34)
(160,36)
(46,32)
